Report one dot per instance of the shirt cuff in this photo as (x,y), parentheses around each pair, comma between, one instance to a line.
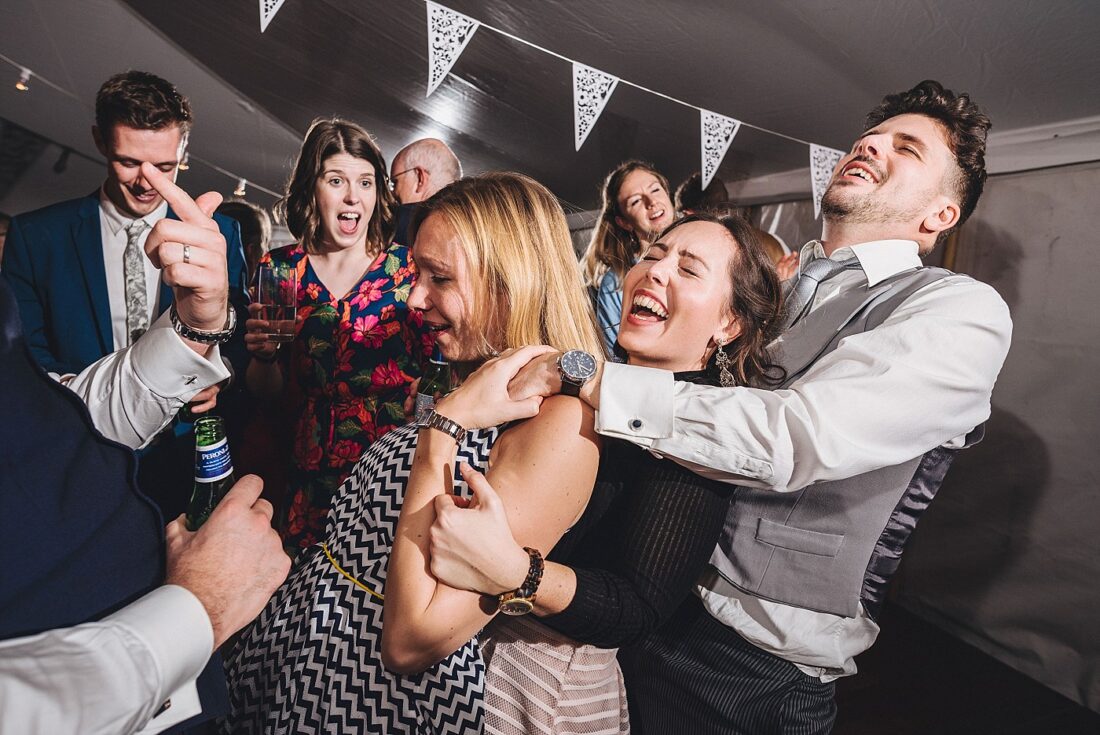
(635,403)
(176,628)
(169,368)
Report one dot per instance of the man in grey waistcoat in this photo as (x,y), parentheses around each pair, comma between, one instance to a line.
(889,370)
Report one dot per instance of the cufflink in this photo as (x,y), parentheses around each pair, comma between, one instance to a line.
(636,424)
(163,708)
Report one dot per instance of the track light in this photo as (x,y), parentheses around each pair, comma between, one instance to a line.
(186,162)
(24,82)
(240,190)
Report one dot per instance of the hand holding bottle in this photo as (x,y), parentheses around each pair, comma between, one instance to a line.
(234,563)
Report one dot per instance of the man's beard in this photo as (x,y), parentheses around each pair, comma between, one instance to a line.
(869,209)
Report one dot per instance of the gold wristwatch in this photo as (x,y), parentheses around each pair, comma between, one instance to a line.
(522,600)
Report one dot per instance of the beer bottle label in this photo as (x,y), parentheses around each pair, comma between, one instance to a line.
(425,402)
(213,462)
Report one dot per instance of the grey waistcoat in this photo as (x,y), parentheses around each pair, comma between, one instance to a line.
(831,545)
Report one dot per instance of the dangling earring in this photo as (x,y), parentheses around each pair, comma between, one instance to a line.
(723,361)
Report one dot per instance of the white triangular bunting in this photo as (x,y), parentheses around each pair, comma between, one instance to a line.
(448,34)
(268,9)
(715,135)
(592,89)
(822,162)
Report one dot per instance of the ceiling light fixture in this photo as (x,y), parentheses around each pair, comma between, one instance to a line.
(240,190)
(186,162)
(24,82)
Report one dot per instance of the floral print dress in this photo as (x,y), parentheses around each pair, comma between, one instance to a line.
(352,362)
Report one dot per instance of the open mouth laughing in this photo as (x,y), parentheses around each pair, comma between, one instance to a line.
(646,308)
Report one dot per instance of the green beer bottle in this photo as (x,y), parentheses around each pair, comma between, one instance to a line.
(213,470)
(435,381)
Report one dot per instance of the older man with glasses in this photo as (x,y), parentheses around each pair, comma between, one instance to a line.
(419,170)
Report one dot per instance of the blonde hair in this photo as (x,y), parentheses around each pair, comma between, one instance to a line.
(524,273)
(612,247)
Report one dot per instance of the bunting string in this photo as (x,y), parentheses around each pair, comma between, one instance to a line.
(449,32)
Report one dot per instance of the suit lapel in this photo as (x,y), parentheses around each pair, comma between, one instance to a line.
(89,250)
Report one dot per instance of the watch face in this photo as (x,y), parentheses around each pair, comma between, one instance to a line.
(578,365)
(517,606)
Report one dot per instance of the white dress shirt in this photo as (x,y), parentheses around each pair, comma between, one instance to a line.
(922,379)
(112,230)
(111,676)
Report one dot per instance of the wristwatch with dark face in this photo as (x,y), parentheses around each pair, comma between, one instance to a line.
(576,367)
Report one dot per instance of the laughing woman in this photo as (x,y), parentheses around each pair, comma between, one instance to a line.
(357,345)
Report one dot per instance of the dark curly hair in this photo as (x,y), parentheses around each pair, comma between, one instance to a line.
(966,126)
(298,208)
(140,100)
(756,304)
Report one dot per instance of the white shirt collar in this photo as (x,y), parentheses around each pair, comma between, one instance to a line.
(116,221)
(879,259)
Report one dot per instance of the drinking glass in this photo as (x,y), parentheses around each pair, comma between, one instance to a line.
(277,294)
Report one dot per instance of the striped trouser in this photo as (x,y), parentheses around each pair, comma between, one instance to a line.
(697,676)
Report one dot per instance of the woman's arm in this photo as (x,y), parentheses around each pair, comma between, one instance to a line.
(544,469)
(633,569)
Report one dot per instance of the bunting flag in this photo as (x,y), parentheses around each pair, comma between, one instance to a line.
(592,89)
(822,162)
(268,9)
(715,135)
(448,34)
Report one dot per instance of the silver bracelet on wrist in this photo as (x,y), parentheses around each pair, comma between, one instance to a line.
(441,423)
(202,335)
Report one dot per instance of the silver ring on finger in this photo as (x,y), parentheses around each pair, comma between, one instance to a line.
(187,254)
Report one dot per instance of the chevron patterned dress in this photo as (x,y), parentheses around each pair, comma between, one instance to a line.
(312,661)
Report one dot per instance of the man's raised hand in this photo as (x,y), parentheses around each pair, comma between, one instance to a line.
(190,252)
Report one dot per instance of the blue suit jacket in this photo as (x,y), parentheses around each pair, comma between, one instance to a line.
(53,259)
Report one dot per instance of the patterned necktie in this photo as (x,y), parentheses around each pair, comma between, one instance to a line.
(137,296)
(805,288)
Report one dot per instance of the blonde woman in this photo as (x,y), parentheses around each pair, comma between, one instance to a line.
(496,272)
(636,207)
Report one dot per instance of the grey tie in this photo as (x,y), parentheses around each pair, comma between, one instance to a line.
(137,295)
(805,288)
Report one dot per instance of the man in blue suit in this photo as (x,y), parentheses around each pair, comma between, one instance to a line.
(78,271)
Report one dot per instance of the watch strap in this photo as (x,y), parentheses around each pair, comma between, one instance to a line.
(439,422)
(570,387)
(522,600)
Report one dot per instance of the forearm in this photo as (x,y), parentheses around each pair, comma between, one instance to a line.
(921,379)
(133,393)
(425,620)
(105,677)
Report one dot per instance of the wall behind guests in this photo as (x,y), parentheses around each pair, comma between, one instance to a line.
(1008,557)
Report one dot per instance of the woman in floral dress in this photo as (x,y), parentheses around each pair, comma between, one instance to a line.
(357,345)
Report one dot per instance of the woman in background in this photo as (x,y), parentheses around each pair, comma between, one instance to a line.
(636,206)
(357,346)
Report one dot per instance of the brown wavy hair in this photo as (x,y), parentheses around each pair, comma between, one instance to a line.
(613,248)
(142,101)
(756,303)
(966,125)
(329,137)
